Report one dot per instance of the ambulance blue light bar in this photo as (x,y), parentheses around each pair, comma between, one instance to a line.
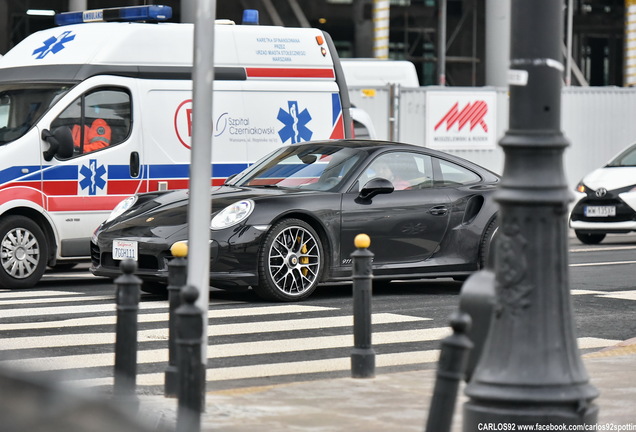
(250,17)
(131,13)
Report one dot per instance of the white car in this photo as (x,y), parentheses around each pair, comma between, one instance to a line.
(606,200)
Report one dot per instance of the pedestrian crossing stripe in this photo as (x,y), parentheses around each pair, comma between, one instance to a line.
(234,349)
(161,317)
(84,339)
(61,300)
(219,313)
(620,295)
(13,294)
(257,348)
(144,306)
(277,369)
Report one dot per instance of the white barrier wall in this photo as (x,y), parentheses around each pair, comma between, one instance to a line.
(598,121)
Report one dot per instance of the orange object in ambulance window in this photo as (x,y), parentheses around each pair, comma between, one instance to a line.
(96,136)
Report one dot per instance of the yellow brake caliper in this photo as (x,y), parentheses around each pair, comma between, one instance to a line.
(304,259)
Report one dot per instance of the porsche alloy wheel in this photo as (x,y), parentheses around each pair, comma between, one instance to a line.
(291,261)
(22,252)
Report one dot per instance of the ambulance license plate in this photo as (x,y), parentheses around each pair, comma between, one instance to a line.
(124,249)
(600,211)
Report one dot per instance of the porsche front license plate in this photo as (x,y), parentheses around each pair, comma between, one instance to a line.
(124,249)
(600,211)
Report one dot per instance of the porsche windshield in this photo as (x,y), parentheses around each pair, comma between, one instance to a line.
(320,167)
(22,105)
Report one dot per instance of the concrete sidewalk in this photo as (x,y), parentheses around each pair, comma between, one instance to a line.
(386,403)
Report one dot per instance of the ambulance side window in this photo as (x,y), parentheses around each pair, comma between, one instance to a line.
(98,119)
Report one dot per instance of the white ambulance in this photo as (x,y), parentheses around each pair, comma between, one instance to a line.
(91,113)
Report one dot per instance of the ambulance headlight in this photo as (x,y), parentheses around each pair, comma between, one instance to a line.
(122,207)
(232,214)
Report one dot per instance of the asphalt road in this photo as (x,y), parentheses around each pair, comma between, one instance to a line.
(65,326)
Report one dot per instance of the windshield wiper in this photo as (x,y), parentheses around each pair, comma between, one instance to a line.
(268,186)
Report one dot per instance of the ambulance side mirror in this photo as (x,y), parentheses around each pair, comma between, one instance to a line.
(60,143)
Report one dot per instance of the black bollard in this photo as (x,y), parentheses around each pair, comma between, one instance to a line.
(362,356)
(126,336)
(477,299)
(190,368)
(451,371)
(177,276)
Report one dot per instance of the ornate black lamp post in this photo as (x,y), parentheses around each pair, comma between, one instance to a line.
(531,371)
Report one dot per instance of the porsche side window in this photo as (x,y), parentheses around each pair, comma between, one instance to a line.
(98,119)
(453,175)
(405,170)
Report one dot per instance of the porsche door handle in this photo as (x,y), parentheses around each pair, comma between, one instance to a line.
(438,210)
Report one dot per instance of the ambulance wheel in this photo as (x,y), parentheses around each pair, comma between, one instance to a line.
(23,252)
(290,262)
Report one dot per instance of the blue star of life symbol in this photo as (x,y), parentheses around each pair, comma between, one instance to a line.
(295,123)
(53,44)
(92,177)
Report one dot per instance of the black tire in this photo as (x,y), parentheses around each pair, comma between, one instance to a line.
(381,284)
(63,266)
(290,262)
(588,238)
(23,253)
(153,287)
(486,249)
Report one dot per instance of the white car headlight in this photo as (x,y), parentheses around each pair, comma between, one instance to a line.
(232,214)
(122,207)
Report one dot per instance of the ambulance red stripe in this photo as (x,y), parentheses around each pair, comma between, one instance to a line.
(22,193)
(125,187)
(254,72)
(85,203)
(62,187)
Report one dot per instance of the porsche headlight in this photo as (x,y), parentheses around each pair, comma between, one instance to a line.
(232,214)
(122,207)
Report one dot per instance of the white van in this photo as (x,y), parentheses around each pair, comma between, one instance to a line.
(364,77)
(366,72)
(94,112)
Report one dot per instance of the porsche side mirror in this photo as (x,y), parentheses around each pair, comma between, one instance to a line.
(375,187)
(60,143)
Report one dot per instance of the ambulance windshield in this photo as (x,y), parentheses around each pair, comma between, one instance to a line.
(21,106)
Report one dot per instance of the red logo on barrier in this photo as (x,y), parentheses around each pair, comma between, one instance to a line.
(472,113)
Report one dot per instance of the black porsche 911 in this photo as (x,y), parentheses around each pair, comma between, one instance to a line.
(288,222)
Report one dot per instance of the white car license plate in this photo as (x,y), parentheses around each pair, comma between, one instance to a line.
(600,211)
(124,249)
